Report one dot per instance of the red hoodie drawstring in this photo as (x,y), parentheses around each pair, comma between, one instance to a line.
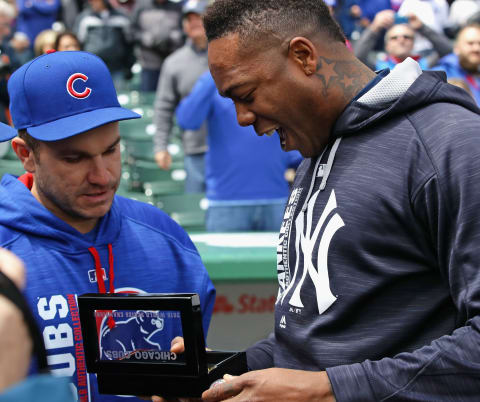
(27,179)
(101,281)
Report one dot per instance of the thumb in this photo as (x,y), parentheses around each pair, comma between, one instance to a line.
(177,345)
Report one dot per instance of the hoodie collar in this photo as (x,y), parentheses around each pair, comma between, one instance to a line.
(405,88)
(391,93)
(394,85)
(21,212)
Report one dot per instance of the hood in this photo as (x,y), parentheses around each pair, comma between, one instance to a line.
(20,212)
(405,89)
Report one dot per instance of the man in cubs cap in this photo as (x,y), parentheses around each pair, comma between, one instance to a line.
(67,101)
(64,219)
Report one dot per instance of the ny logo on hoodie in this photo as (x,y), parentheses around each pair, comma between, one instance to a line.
(307,236)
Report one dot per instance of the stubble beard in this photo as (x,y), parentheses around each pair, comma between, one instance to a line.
(66,203)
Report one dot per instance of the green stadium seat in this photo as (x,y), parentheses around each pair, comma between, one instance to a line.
(193,221)
(14,167)
(137,128)
(4,149)
(135,195)
(138,149)
(146,171)
(133,99)
(157,188)
(187,209)
(140,172)
(7,152)
(176,151)
(187,202)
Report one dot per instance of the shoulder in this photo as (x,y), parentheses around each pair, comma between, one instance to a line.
(175,57)
(449,135)
(449,61)
(152,219)
(8,236)
(140,211)
(10,189)
(450,118)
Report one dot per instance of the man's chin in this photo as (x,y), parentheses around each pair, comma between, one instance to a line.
(94,212)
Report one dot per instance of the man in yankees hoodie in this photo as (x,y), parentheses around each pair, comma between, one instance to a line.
(378,255)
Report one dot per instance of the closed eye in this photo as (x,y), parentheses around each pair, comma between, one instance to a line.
(247,98)
(73,158)
(110,150)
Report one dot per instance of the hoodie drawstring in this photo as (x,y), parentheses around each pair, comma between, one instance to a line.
(100,280)
(331,158)
(325,171)
(312,183)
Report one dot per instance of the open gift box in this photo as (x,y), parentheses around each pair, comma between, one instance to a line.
(127,337)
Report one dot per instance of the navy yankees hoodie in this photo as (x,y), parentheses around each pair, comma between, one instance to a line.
(379,252)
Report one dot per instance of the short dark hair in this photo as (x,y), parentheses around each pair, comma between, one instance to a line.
(270,19)
(31,142)
(63,34)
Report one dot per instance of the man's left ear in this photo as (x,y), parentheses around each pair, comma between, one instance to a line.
(303,52)
(24,153)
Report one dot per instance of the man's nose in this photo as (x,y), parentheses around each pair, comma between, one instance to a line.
(245,117)
(98,173)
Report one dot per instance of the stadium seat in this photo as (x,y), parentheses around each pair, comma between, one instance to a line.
(157,188)
(186,202)
(7,152)
(14,167)
(191,221)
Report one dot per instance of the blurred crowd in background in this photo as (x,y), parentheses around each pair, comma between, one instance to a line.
(142,33)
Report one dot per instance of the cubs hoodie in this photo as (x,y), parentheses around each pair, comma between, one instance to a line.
(378,254)
(134,248)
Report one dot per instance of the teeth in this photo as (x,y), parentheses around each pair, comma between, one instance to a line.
(271,132)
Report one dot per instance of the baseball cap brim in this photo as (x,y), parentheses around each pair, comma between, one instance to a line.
(7,132)
(79,123)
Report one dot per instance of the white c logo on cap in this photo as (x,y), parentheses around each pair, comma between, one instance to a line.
(71,80)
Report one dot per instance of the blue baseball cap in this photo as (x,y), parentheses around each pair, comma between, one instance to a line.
(61,94)
(194,6)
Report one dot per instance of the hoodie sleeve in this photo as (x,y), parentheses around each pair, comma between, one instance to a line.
(447,206)
(165,101)
(260,355)
(193,110)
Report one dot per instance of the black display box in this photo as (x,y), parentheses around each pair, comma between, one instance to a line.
(122,339)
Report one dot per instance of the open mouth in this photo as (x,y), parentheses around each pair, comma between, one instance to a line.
(281,134)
